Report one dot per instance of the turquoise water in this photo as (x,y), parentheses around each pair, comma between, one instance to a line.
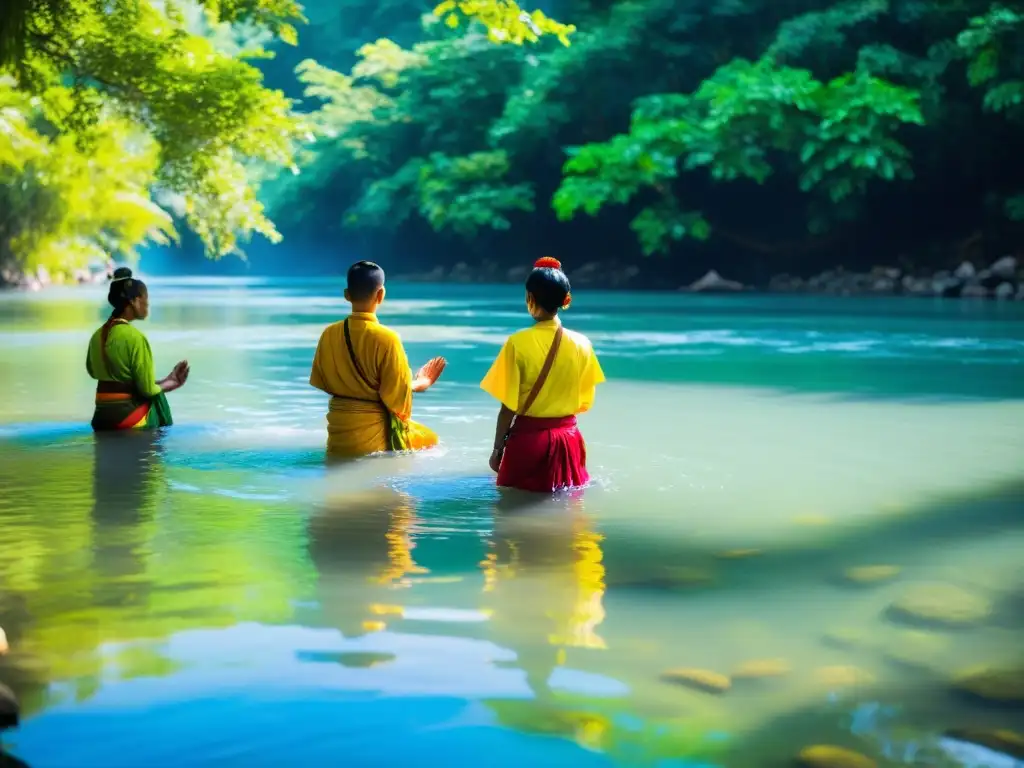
(216,596)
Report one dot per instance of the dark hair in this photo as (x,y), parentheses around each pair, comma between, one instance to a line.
(364,279)
(124,289)
(549,287)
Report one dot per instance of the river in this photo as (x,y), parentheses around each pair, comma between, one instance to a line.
(804,528)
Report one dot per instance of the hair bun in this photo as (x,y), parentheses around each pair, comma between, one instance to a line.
(121,273)
(547,262)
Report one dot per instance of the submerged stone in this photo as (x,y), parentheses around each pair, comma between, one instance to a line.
(738,554)
(997,686)
(1005,742)
(758,669)
(942,605)
(845,637)
(841,677)
(826,756)
(871,574)
(698,679)
(915,649)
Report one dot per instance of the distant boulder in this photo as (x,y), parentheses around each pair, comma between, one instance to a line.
(713,282)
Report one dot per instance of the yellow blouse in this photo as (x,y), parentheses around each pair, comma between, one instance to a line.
(381,356)
(571,383)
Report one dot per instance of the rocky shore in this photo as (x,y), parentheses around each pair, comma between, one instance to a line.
(37,279)
(1003,280)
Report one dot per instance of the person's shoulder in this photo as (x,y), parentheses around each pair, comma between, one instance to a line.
(383,333)
(579,340)
(336,327)
(126,332)
(522,334)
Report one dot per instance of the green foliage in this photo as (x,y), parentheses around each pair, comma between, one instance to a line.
(742,123)
(394,97)
(64,203)
(662,105)
(193,122)
(504,20)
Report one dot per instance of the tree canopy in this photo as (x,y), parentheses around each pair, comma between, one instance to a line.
(648,126)
(759,125)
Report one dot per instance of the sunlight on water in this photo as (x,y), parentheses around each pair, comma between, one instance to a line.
(804,528)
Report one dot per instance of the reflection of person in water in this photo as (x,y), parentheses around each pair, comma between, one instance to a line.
(127,474)
(361,546)
(544,582)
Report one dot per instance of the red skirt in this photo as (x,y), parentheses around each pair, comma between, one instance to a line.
(544,455)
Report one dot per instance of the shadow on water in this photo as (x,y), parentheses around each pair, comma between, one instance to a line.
(641,560)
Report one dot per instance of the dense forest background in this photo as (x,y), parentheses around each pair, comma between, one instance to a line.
(752,136)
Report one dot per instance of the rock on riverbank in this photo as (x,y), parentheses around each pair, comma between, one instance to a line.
(1002,280)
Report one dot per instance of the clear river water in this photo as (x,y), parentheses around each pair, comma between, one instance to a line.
(805,528)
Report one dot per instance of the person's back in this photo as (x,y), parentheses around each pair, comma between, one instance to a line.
(119,358)
(363,366)
(543,377)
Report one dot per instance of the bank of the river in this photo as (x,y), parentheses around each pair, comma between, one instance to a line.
(39,278)
(1003,280)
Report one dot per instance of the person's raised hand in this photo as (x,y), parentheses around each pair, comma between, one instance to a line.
(432,370)
(181,372)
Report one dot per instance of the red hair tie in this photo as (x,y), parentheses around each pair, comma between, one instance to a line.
(547,262)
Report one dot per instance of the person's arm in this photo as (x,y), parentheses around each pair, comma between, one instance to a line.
(144,371)
(502,426)
(316,376)
(590,377)
(396,379)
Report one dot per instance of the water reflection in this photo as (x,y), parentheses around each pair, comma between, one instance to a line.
(544,584)
(361,547)
(127,478)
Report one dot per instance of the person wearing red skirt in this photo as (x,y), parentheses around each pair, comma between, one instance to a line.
(543,377)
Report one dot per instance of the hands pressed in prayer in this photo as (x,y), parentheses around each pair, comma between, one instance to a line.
(428,374)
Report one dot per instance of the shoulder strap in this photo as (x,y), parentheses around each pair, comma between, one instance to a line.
(543,376)
(355,360)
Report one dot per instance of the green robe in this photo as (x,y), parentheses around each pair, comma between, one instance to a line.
(129,361)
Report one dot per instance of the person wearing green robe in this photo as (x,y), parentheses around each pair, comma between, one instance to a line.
(128,394)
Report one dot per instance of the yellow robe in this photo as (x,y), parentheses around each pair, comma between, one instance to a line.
(356,420)
(572,381)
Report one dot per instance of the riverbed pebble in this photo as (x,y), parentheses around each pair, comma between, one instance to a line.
(871,574)
(698,679)
(758,669)
(943,605)
(843,676)
(994,685)
(915,649)
(827,756)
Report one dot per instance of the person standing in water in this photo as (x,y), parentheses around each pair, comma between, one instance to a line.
(363,366)
(128,395)
(543,377)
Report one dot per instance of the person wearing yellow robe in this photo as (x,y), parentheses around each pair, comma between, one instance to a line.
(363,366)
